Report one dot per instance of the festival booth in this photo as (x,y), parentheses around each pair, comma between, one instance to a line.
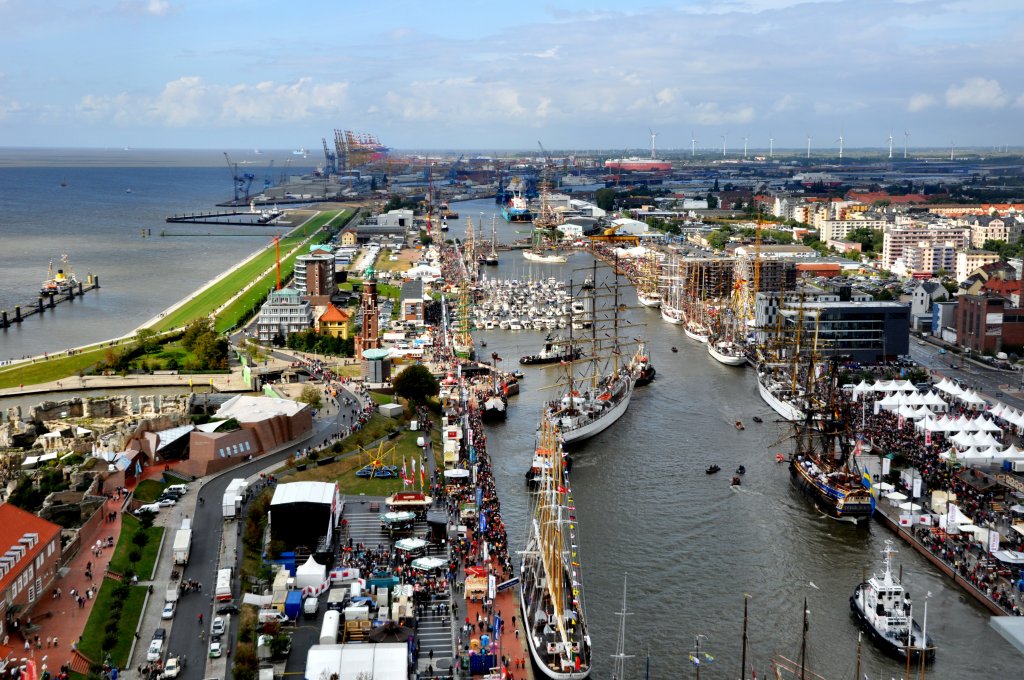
(416,547)
(312,574)
(409,501)
(476,583)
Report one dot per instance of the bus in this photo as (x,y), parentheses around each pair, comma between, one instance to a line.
(223,591)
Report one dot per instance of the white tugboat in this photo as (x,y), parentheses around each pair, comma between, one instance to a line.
(884,609)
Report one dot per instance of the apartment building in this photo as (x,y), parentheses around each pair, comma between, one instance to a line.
(969,261)
(907,234)
(29,565)
(283,313)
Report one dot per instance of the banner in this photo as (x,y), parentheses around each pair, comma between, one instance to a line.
(952,515)
(886,463)
(906,520)
(916,493)
(925,520)
(927,437)
(491,586)
(993,540)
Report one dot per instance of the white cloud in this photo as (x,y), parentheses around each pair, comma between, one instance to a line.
(158,7)
(550,53)
(976,93)
(920,102)
(9,107)
(1020,101)
(786,102)
(190,100)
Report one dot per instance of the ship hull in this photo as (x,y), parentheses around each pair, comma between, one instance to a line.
(673,316)
(645,376)
(845,505)
(516,214)
(535,656)
(727,359)
(599,425)
(548,259)
(648,300)
(537,360)
(783,408)
(699,337)
(887,644)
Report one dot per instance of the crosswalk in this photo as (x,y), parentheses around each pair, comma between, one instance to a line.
(434,625)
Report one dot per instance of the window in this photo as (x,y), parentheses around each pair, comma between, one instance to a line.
(49,548)
(31,592)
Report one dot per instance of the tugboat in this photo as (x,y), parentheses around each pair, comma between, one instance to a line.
(883,607)
(555,350)
(641,367)
(495,409)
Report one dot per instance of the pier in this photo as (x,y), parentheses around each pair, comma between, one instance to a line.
(45,302)
(222,217)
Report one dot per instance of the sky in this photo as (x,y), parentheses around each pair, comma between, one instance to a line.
(484,75)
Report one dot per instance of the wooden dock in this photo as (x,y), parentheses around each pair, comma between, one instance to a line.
(45,302)
(223,217)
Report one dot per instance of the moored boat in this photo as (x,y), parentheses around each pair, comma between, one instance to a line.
(673,315)
(779,396)
(555,350)
(884,609)
(546,257)
(649,299)
(551,596)
(641,367)
(726,352)
(696,331)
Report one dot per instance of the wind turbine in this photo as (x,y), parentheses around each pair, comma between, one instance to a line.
(808,146)
(952,145)
(654,135)
(693,146)
(906,140)
(890,144)
(745,148)
(723,146)
(840,140)
(771,147)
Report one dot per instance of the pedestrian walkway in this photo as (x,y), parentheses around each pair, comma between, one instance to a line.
(63,612)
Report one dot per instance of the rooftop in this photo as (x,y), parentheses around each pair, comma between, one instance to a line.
(23,536)
(246,409)
(304,492)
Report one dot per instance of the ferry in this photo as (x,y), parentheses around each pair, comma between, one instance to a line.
(62,281)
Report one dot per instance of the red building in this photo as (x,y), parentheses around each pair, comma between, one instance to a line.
(29,565)
(987,324)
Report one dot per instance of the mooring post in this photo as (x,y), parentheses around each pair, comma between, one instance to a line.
(17,313)
(3,319)
(41,304)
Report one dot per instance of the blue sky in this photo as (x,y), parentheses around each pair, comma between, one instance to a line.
(489,75)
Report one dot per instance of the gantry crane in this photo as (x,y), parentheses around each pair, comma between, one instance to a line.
(242,181)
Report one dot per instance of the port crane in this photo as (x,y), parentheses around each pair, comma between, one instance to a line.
(453,172)
(330,160)
(268,179)
(242,181)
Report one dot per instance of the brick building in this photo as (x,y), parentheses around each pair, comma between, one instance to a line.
(29,565)
(988,323)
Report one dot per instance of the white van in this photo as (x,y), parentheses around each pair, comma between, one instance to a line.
(177,488)
(150,507)
(269,615)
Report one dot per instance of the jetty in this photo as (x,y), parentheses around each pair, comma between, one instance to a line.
(45,302)
(244,218)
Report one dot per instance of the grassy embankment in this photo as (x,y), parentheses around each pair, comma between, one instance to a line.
(205,302)
(122,623)
(120,564)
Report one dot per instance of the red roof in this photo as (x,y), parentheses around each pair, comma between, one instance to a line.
(335,315)
(15,525)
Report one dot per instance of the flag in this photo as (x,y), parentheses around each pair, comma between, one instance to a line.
(708,657)
(405,474)
(925,520)
(906,520)
(423,476)
(694,660)
(927,437)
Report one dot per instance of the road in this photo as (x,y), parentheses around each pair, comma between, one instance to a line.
(208,524)
(993,383)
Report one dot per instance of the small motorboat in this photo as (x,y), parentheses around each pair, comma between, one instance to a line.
(675,349)
(735,481)
(711,469)
(739,425)
(757,419)
(741,470)
(779,458)
(483,343)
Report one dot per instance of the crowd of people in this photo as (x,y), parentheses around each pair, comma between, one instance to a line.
(975,494)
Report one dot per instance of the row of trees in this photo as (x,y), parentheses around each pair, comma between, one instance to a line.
(315,343)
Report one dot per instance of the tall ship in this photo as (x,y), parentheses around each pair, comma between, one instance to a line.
(491,258)
(672,300)
(647,292)
(61,281)
(884,609)
(725,342)
(786,366)
(552,606)
(595,399)
(822,465)
(695,310)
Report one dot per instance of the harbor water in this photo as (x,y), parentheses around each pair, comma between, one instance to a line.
(98,219)
(691,544)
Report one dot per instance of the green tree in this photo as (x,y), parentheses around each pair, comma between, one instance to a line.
(712,202)
(310,395)
(719,237)
(146,340)
(605,199)
(194,330)
(416,383)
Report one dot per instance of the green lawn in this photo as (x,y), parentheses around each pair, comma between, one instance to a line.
(51,369)
(92,636)
(120,564)
(213,297)
(149,490)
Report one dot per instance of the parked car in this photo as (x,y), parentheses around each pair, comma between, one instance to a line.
(168,612)
(166,502)
(172,668)
(151,507)
(160,634)
(155,649)
(227,609)
(217,629)
(216,649)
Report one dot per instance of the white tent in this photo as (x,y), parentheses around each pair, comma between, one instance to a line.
(896,496)
(963,440)
(997,410)
(904,386)
(911,507)
(310,574)
(985,439)
(971,397)
(935,402)
(884,486)
(986,425)
(884,386)
(969,425)
(861,388)
(950,388)
(922,412)
(915,399)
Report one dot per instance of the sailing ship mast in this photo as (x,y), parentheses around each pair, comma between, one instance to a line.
(620,655)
